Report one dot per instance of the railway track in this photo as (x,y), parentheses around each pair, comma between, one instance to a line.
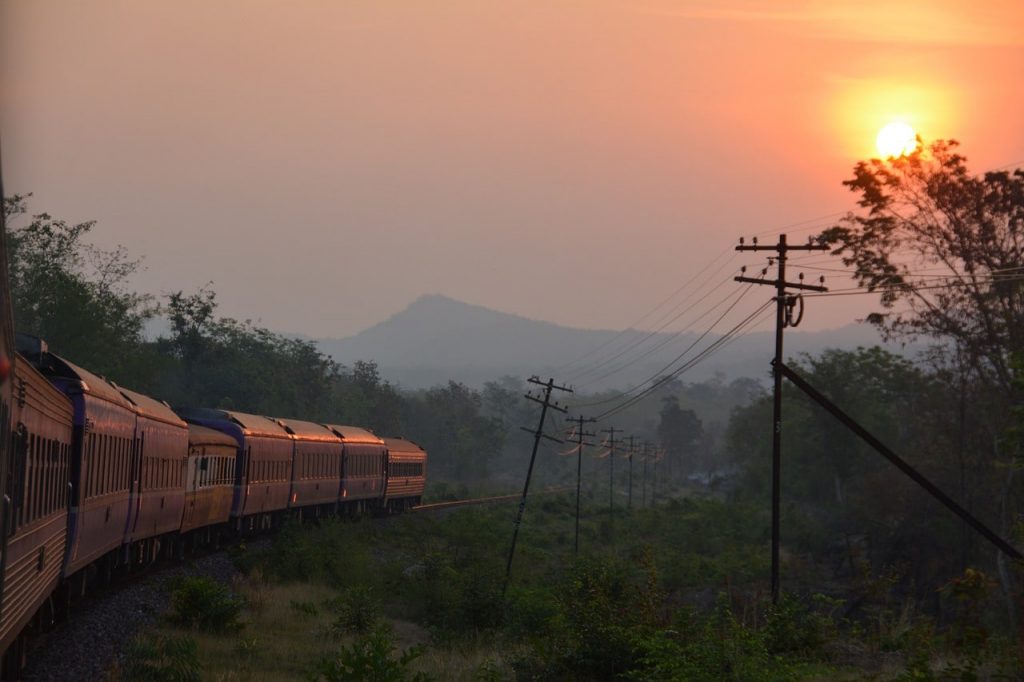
(448,504)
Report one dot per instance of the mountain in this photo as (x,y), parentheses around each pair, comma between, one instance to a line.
(437,338)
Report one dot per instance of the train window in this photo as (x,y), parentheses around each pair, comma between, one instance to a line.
(44,479)
(108,446)
(51,488)
(33,477)
(104,452)
(87,465)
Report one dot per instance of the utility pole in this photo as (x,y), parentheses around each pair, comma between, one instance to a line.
(611,466)
(546,404)
(643,496)
(632,447)
(658,455)
(785,305)
(580,435)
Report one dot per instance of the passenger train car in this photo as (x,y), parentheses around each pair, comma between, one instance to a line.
(103,480)
(35,509)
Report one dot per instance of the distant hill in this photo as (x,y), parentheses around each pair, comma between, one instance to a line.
(437,338)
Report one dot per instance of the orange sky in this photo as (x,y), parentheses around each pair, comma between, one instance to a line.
(325,162)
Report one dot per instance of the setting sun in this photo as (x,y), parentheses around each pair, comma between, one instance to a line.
(896,139)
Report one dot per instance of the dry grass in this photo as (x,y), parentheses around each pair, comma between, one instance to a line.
(279,640)
(282,639)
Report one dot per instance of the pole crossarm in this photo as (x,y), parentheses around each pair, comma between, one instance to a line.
(785,285)
(901,464)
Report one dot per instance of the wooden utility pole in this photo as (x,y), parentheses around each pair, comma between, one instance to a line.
(611,466)
(546,404)
(643,496)
(785,305)
(629,456)
(659,454)
(580,435)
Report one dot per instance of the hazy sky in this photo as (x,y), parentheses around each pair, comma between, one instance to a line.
(326,162)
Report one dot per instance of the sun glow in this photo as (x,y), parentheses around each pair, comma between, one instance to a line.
(896,139)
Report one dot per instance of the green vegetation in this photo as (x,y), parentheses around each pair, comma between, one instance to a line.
(204,604)
(676,592)
(160,659)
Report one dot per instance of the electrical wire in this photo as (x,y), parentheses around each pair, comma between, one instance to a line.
(667,338)
(743,292)
(606,359)
(712,349)
(687,283)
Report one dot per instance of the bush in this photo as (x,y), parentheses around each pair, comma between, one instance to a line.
(708,650)
(357,611)
(793,628)
(204,604)
(371,658)
(161,659)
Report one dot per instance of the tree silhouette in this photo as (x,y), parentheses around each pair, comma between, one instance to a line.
(945,250)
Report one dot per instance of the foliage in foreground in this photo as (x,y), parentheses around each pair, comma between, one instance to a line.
(203,604)
(161,659)
(373,657)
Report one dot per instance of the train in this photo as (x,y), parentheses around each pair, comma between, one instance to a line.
(100,480)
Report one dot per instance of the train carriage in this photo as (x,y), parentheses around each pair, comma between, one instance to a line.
(263,468)
(209,478)
(362,469)
(316,467)
(37,491)
(101,455)
(160,454)
(406,474)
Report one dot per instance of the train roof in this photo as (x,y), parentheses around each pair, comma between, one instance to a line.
(55,367)
(152,408)
(251,424)
(202,435)
(354,434)
(309,430)
(402,445)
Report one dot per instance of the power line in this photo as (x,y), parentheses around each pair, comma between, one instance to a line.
(605,359)
(742,292)
(643,317)
(669,338)
(713,348)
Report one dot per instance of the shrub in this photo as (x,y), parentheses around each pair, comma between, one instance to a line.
(161,659)
(793,628)
(371,658)
(306,608)
(357,611)
(204,604)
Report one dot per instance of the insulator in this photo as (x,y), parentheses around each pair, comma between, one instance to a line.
(801,275)
(764,272)
(822,279)
(741,241)
(743,269)
(771,262)
(755,240)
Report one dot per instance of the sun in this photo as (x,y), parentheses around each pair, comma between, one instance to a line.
(896,139)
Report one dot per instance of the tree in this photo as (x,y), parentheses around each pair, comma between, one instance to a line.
(75,295)
(460,439)
(679,430)
(945,250)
